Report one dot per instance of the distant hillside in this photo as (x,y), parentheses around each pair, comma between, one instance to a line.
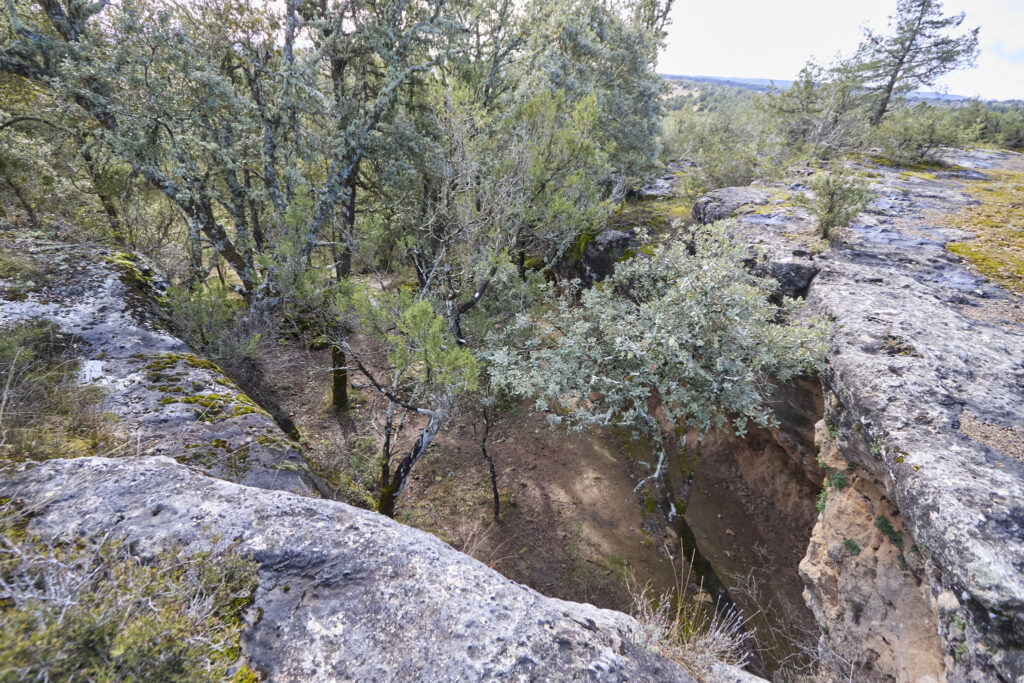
(758,84)
(763,84)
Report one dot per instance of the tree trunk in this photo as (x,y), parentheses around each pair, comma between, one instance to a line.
(389,492)
(482,443)
(339,379)
(196,270)
(883,104)
(342,269)
(109,207)
(465,306)
(25,203)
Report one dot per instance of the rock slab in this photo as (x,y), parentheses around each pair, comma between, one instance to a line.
(344,594)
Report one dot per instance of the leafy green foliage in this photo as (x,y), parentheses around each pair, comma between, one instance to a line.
(917,51)
(821,115)
(607,51)
(996,123)
(729,146)
(851,546)
(838,480)
(910,136)
(422,354)
(883,524)
(211,319)
(91,611)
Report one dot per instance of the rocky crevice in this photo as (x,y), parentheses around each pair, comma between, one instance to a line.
(922,345)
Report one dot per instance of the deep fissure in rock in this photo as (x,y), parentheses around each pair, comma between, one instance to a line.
(751,510)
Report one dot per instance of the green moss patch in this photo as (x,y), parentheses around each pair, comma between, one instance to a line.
(998,223)
(167,371)
(653,214)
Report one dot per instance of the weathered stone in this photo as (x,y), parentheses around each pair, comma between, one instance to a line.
(344,594)
(912,352)
(168,401)
(603,252)
(722,203)
(861,585)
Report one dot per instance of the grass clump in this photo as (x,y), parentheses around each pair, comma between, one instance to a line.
(838,480)
(44,412)
(678,625)
(998,223)
(883,524)
(14,265)
(851,546)
(90,611)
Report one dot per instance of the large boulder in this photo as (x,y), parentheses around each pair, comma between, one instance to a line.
(344,594)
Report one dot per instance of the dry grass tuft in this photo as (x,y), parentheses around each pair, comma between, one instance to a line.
(88,610)
(679,625)
(44,411)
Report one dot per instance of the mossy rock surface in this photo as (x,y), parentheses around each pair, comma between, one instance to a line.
(997,221)
(162,395)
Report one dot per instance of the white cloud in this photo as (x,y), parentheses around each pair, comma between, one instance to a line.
(773,39)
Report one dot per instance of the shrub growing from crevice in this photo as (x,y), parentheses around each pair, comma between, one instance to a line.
(211,319)
(838,196)
(90,611)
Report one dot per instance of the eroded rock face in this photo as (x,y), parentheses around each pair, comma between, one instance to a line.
(921,343)
(865,583)
(168,401)
(344,594)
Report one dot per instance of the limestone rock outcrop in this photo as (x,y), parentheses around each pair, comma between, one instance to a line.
(169,401)
(931,583)
(344,593)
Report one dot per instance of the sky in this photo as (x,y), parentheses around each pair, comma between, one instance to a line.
(774,38)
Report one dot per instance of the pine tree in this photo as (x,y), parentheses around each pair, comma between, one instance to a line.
(917,53)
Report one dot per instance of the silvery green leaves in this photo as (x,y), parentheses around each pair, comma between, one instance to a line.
(682,337)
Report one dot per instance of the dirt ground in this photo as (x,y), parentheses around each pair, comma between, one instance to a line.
(570,526)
